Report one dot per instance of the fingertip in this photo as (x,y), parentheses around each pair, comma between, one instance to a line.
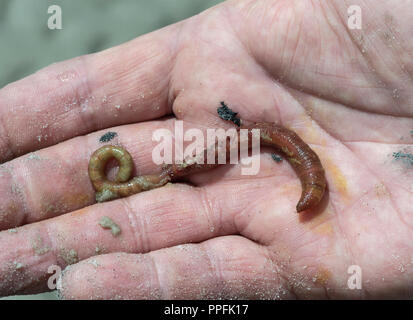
(109,276)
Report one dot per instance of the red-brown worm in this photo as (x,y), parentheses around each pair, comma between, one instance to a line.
(303,159)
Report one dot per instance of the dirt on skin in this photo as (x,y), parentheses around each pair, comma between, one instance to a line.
(107,223)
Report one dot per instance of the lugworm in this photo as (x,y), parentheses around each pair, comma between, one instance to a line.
(303,159)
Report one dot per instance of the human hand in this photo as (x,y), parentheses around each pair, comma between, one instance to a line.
(347,93)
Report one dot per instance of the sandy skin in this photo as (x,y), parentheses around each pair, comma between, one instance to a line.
(335,88)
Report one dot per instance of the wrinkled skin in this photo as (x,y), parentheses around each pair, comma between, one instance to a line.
(347,93)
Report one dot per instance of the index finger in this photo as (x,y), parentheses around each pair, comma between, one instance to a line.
(124,84)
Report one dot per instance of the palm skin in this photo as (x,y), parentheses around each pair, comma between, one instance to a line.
(345,92)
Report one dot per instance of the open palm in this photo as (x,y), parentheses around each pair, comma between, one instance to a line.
(347,93)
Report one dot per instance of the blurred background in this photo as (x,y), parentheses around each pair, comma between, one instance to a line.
(27,44)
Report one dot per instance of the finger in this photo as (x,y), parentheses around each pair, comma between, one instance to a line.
(55,180)
(229,267)
(164,217)
(151,220)
(124,84)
